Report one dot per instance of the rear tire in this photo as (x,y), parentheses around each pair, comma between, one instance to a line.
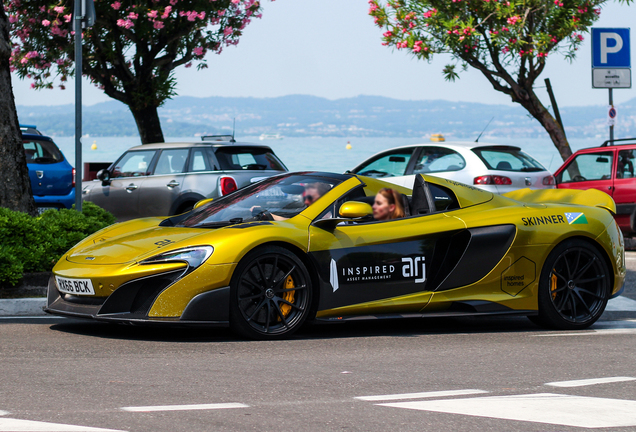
(574,287)
(270,294)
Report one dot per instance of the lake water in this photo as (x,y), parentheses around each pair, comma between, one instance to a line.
(322,154)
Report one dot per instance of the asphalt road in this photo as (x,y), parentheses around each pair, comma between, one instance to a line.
(416,375)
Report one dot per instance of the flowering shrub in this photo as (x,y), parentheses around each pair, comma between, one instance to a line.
(489,32)
(508,41)
(133,47)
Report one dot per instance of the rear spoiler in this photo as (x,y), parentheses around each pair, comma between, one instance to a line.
(589,197)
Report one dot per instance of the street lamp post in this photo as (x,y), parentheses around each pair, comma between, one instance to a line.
(84,16)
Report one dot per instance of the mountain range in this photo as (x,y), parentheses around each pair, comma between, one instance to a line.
(307,116)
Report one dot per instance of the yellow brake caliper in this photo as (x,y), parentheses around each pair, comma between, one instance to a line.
(288,296)
(553,286)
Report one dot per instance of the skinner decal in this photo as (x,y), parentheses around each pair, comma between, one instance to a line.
(411,268)
(543,220)
(572,219)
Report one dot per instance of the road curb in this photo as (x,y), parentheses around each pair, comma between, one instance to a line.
(22,307)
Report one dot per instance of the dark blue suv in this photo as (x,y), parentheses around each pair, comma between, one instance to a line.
(52,177)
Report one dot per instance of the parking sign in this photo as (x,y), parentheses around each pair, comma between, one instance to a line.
(610,48)
(611,60)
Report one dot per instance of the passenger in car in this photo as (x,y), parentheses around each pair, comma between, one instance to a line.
(388,205)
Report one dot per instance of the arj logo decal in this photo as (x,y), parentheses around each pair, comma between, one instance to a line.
(411,269)
(576,218)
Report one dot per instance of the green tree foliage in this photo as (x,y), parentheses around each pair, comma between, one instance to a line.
(507,41)
(131,51)
(34,244)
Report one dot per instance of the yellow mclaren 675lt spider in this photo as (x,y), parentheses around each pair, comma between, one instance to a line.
(304,246)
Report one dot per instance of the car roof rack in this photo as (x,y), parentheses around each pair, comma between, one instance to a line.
(31,129)
(611,142)
(229,138)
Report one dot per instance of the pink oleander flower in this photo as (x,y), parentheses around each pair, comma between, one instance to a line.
(513,20)
(13,19)
(59,9)
(46,23)
(158,25)
(67,18)
(188,65)
(133,15)
(152,14)
(116,5)
(228,31)
(166,12)
(198,51)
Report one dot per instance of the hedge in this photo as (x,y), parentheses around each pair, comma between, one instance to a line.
(35,244)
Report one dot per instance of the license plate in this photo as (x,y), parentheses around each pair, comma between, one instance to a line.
(43,209)
(75,286)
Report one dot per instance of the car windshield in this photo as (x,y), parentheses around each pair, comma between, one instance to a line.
(504,158)
(275,198)
(41,152)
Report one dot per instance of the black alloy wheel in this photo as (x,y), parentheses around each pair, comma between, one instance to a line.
(270,294)
(574,287)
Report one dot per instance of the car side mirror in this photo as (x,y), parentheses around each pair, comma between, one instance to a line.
(351,211)
(355,209)
(104,176)
(202,203)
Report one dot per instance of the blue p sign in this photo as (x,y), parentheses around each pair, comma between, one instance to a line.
(610,48)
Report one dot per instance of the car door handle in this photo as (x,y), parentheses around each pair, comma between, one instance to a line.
(172,184)
(131,187)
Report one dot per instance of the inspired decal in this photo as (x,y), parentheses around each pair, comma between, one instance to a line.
(576,218)
(412,268)
(163,243)
(544,220)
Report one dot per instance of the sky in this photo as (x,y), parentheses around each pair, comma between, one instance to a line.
(332,49)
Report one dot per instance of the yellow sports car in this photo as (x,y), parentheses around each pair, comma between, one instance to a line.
(304,246)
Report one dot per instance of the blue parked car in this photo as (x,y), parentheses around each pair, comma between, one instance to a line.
(52,176)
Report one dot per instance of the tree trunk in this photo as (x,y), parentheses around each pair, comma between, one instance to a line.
(15,193)
(541,113)
(148,124)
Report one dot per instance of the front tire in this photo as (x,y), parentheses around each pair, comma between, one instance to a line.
(574,287)
(270,294)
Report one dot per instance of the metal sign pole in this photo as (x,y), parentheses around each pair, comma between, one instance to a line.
(78,105)
(611,104)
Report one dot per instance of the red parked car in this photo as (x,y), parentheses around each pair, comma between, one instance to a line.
(608,168)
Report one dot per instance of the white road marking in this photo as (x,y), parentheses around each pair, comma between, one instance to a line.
(589,333)
(14,425)
(434,394)
(185,407)
(2,413)
(576,411)
(621,304)
(587,382)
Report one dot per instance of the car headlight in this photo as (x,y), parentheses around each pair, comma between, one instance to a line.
(193,256)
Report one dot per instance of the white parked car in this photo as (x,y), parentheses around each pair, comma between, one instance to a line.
(495,168)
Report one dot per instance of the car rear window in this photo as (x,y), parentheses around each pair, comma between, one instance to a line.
(247,158)
(502,158)
(42,152)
